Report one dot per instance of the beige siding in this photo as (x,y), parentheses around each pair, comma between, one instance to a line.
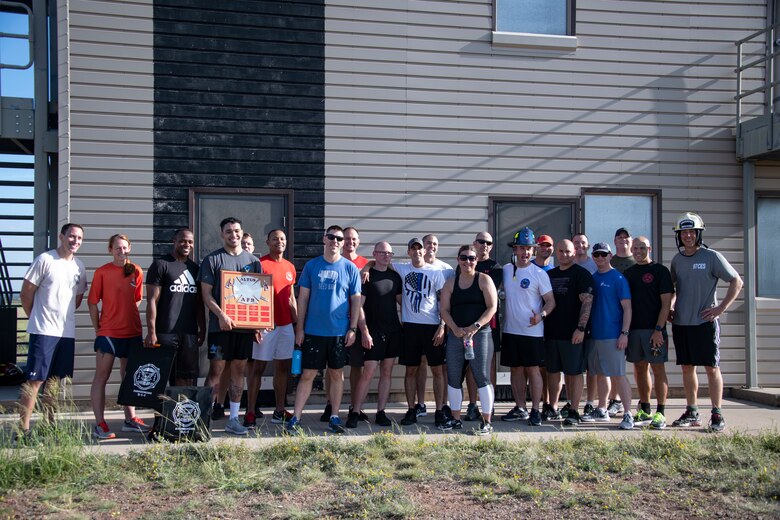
(425,120)
(110,141)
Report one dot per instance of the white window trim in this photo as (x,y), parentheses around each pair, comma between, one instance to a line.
(556,42)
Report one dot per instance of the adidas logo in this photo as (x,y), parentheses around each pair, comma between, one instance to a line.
(184,283)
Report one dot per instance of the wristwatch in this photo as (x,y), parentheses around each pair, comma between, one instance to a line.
(658,328)
(580,328)
(543,314)
(624,332)
(477,325)
(353,329)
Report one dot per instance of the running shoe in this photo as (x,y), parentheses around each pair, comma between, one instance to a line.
(627,423)
(382,420)
(217,412)
(421,409)
(102,432)
(472,413)
(565,410)
(572,418)
(281,416)
(352,420)
(485,428)
(23,438)
(588,409)
(642,418)
(717,423)
(250,421)
(325,417)
(687,419)
(441,421)
(515,414)
(409,418)
(335,425)
(551,414)
(659,421)
(258,412)
(234,427)
(136,424)
(447,411)
(615,408)
(293,427)
(596,415)
(362,416)
(456,424)
(535,419)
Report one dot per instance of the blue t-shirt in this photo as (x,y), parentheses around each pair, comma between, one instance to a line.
(606,319)
(330,286)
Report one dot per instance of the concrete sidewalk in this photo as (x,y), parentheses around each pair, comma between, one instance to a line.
(741,416)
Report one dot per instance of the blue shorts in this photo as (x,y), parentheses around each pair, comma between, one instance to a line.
(50,356)
(117,347)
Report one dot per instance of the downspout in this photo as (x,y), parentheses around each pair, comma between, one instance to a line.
(749,294)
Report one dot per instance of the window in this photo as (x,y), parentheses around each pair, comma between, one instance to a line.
(604,213)
(536,24)
(767,257)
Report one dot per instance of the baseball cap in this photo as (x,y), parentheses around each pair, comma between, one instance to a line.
(414,241)
(545,239)
(601,247)
(621,231)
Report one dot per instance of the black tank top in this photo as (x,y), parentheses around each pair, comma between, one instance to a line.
(467,305)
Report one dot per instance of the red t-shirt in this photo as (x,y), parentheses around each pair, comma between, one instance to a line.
(283,277)
(359,261)
(120,294)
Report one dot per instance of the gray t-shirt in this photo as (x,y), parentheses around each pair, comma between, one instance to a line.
(211,271)
(696,278)
(589,264)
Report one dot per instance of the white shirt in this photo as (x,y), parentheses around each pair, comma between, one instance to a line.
(59,281)
(420,302)
(524,290)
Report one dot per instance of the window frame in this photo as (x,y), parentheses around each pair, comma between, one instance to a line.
(538,41)
(773,195)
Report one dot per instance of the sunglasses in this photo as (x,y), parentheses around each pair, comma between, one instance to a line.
(337,238)
(467,258)
(384,253)
(484,242)
(600,254)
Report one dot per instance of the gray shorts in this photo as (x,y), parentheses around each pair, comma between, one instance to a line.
(605,359)
(639,347)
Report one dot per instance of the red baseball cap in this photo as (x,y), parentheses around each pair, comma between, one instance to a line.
(545,239)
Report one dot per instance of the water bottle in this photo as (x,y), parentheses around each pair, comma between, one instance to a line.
(468,348)
(296,361)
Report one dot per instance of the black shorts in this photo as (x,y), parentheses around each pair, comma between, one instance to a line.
(418,342)
(187,356)
(564,356)
(522,351)
(697,345)
(321,351)
(227,346)
(386,346)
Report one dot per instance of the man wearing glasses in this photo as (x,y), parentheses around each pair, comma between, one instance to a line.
(328,312)
(381,334)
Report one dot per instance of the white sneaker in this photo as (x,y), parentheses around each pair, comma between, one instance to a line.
(628,422)
(235,427)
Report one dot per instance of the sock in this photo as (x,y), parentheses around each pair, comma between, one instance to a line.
(234,408)
(661,408)
(332,416)
(589,402)
(692,409)
(455,397)
(486,397)
(645,407)
(716,410)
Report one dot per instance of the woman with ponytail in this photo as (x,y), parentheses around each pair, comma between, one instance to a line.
(118,287)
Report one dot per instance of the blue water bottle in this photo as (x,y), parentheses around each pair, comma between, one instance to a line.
(296,360)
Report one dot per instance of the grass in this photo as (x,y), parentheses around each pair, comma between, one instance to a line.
(328,476)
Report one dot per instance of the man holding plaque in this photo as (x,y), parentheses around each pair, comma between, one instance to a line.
(229,347)
(328,310)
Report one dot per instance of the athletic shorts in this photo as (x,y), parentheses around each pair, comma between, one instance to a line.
(117,347)
(227,346)
(277,344)
(521,351)
(186,364)
(386,346)
(605,359)
(418,342)
(321,351)
(639,347)
(49,356)
(697,345)
(564,356)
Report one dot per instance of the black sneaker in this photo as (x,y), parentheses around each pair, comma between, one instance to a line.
(717,423)
(352,420)
(550,414)
(572,418)
(441,421)
(382,420)
(472,413)
(410,417)
(325,417)
(361,416)
(421,409)
(447,412)
(565,410)
(535,419)
(515,414)
(456,424)
(688,419)
(587,409)
(545,411)
(217,412)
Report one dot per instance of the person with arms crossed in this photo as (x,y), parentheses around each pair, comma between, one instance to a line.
(52,290)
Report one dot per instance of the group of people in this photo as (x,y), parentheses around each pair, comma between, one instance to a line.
(587,315)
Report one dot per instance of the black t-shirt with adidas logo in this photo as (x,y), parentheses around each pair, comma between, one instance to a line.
(178,295)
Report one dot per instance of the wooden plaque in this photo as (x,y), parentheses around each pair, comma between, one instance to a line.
(248,298)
